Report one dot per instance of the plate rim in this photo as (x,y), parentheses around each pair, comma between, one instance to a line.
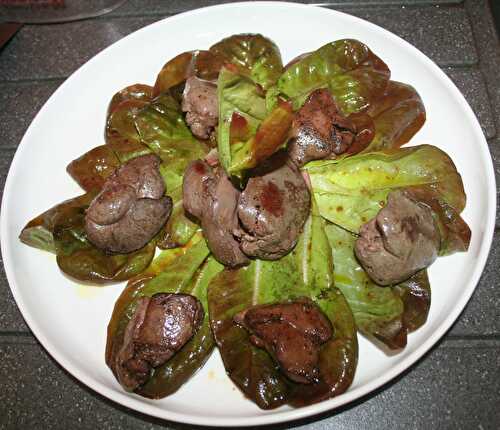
(277,416)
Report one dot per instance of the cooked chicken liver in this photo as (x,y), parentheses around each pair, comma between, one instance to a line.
(402,239)
(199,101)
(319,130)
(130,209)
(273,208)
(160,326)
(209,195)
(292,332)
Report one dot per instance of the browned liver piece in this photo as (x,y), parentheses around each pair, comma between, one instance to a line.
(273,208)
(402,239)
(130,209)
(209,195)
(292,332)
(160,326)
(199,101)
(319,130)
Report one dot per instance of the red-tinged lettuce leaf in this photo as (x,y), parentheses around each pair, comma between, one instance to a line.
(252,369)
(271,135)
(122,110)
(139,92)
(38,233)
(339,356)
(351,191)
(242,108)
(354,75)
(183,270)
(61,230)
(305,272)
(81,260)
(398,115)
(203,64)
(385,315)
(179,229)
(162,129)
(92,168)
(416,295)
(253,55)
(455,233)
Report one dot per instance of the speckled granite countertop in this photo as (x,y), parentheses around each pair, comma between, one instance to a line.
(456,385)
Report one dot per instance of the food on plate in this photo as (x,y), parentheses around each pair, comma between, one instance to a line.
(131,207)
(273,208)
(294,219)
(210,196)
(199,101)
(319,130)
(385,315)
(160,326)
(292,332)
(401,240)
(190,270)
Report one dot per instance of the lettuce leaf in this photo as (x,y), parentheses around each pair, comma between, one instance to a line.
(241,105)
(354,75)
(305,272)
(162,129)
(397,116)
(383,314)
(185,270)
(253,55)
(352,190)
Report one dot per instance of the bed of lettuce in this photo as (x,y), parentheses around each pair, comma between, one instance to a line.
(257,99)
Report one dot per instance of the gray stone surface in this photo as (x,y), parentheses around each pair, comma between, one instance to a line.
(481,316)
(65,46)
(6,156)
(19,103)
(453,387)
(489,53)
(444,34)
(495,155)
(10,317)
(428,28)
(164,7)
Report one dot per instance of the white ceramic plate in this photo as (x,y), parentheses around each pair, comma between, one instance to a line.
(70,320)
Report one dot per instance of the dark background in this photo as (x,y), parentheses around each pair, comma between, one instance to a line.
(455,386)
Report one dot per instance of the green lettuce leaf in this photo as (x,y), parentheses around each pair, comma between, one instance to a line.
(397,116)
(253,55)
(241,106)
(179,229)
(383,314)
(352,190)
(339,356)
(162,129)
(354,75)
(304,272)
(203,64)
(78,258)
(185,270)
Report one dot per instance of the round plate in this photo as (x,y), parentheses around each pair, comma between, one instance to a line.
(70,320)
